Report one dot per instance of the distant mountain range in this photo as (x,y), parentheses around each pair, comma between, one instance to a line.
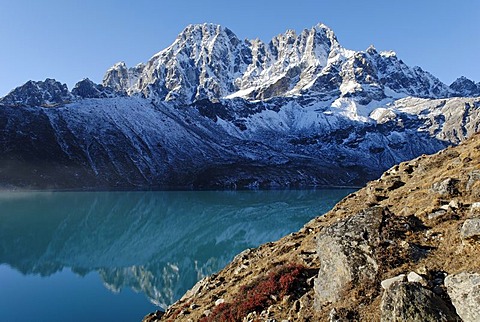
(214,111)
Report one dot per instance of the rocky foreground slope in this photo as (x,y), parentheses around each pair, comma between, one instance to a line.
(404,248)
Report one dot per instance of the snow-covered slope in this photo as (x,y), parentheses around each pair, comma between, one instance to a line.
(213,110)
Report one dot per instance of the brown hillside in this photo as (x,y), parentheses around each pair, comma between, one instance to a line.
(421,216)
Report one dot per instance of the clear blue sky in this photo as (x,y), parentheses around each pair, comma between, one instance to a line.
(72,39)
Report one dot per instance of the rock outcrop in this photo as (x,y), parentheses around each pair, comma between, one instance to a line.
(405,301)
(464,290)
(378,255)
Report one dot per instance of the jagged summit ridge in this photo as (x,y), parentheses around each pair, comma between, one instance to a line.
(208,61)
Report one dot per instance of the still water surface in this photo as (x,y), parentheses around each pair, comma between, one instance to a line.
(91,256)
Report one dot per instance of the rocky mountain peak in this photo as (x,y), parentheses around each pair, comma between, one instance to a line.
(38,93)
(122,79)
(465,87)
(371,50)
(208,61)
(205,30)
(88,89)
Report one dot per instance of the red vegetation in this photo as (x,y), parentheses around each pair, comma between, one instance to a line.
(260,294)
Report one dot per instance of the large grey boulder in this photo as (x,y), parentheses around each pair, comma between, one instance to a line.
(464,291)
(347,254)
(404,301)
(355,250)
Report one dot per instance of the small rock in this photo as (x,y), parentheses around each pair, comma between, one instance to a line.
(445,207)
(447,187)
(219,301)
(473,177)
(453,204)
(342,315)
(471,229)
(464,291)
(437,213)
(413,277)
(153,317)
(207,312)
(197,288)
(239,269)
(389,281)
(475,208)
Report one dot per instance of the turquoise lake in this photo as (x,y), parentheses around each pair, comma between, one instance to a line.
(116,256)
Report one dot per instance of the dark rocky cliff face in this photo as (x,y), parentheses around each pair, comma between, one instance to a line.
(404,248)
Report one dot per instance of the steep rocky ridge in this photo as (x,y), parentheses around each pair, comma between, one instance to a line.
(402,248)
(208,61)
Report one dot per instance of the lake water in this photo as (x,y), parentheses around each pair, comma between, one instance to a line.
(91,256)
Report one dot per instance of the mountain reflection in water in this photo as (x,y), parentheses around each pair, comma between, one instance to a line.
(158,243)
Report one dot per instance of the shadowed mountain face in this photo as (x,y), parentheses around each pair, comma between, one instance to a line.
(212,111)
(158,243)
(133,143)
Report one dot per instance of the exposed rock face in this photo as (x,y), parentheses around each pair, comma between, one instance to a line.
(464,290)
(120,78)
(357,249)
(447,187)
(404,301)
(381,232)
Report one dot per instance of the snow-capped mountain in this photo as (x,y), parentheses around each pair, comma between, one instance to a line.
(209,62)
(213,110)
